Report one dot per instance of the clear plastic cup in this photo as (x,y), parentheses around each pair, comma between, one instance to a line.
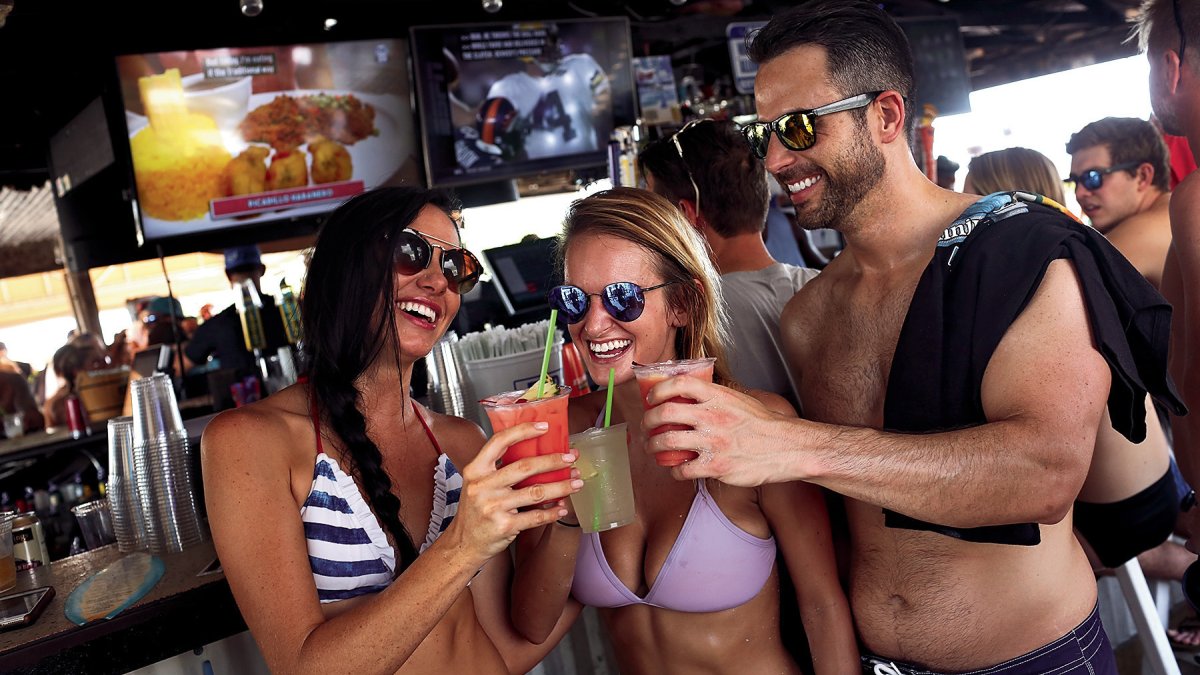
(606,500)
(155,411)
(649,375)
(95,522)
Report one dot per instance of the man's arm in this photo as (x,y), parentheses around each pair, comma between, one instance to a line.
(1180,278)
(1043,393)
(197,350)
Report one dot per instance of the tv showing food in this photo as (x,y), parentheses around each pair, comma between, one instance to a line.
(231,138)
(503,100)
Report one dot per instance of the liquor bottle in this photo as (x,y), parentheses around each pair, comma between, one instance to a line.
(249,308)
(289,310)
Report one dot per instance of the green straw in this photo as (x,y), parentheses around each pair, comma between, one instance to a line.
(607,421)
(608,403)
(546,356)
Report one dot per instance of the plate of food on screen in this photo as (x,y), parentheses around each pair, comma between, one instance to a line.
(202,163)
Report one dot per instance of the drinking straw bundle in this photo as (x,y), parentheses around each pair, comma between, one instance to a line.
(500,341)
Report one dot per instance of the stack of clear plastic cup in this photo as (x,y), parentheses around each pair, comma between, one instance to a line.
(123,501)
(449,391)
(162,468)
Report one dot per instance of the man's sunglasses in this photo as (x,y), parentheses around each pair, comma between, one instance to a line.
(795,129)
(413,253)
(624,300)
(1092,179)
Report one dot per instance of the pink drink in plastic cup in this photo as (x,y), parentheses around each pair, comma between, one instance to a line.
(650,375)
(506,410)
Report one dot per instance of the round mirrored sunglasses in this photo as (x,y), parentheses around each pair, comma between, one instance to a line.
(623,300)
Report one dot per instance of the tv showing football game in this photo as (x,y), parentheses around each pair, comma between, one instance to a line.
(237,137)
(503,100)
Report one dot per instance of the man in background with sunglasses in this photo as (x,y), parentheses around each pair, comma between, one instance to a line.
(707,170)
(1120,172)
(962,404)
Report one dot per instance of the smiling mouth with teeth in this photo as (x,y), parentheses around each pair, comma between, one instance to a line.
(803,184)
(609,348)
(419,310)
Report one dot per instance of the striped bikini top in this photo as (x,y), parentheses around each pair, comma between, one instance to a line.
(348,550)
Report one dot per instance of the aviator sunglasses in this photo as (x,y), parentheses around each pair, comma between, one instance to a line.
(1092,179)
(413,253)
(795,129)
(623,300)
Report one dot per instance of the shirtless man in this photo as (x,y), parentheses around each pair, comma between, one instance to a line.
(1121,170)
(1021,443)
(1169,33)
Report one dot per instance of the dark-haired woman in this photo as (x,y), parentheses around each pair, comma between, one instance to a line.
(359,531)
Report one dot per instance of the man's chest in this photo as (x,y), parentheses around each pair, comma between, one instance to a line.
(849,355)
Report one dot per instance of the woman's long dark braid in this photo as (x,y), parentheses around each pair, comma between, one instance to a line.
(348,319)
(341,403)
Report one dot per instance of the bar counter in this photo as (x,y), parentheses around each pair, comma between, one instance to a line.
(181,613)
(40,443)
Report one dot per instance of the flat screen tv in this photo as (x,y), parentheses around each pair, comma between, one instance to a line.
(503,100)
(239,137)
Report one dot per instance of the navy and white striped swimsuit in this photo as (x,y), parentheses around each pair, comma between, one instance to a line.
(347,548)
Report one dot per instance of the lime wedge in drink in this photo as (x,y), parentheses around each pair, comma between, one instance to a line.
(587,470)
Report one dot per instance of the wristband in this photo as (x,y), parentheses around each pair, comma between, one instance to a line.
(564,523)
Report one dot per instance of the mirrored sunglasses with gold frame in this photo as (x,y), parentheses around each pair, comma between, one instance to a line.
(795,129)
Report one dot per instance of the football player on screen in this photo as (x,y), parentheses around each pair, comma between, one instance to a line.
(550,112)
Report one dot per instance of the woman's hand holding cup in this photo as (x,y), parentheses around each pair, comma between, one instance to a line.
(491,512)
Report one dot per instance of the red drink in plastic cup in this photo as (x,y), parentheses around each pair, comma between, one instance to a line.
(650,375)
(505,410)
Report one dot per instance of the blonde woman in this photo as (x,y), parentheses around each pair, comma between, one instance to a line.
(690,585)
(1013,169)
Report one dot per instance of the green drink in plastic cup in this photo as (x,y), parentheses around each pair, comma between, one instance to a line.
(606,500)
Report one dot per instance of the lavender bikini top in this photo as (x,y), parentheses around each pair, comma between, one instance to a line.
(714,565)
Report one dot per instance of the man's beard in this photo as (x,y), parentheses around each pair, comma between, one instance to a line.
(1167,117)
(852,174)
